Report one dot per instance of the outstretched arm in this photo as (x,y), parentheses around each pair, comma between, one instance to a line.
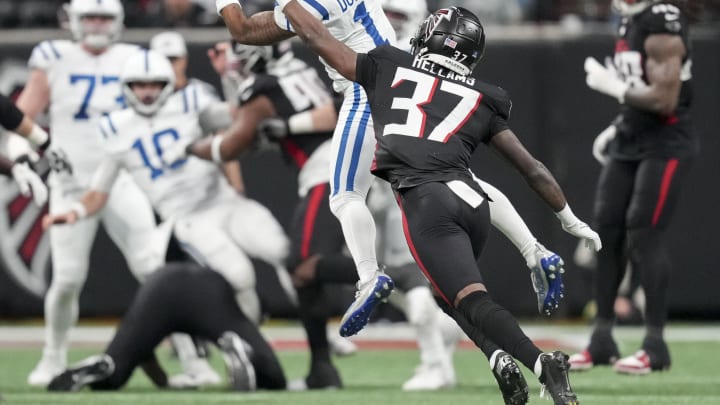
(319,39)
(259,29)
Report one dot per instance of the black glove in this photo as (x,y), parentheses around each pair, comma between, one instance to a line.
(273,129)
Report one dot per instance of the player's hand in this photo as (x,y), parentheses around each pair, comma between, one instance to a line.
(583,231)
(546,269)
(176,152)
(273,129)
(603,80)
(29,182)
(19,148)
(601,142)
(67,218)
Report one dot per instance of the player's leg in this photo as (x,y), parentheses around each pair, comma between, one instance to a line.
(437,222)
(612,197)
(70,248)
(129,221)
(353,146)
(657,190)
(315,238)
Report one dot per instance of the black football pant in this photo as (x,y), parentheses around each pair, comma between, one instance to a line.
(634,203)
(446,236)
(183,297)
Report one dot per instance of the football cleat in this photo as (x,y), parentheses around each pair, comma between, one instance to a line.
(49,366)
(510,380)
(602,350)
(637,364)
(88,371)
(367,297)
(323,376)
(429,378)
(654,356)
(554,378)
(547,281)
(240,370)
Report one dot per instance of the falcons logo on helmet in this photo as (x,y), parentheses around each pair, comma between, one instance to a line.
(442,14)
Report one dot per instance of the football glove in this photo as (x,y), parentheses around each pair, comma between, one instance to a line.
(176,152)
(546,275)
(572,225)
(601,142)
(29,183)
(604,80)
(273,129)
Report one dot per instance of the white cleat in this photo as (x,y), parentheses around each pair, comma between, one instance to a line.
(341,346)
(429,378)
(48,368)
(201,373)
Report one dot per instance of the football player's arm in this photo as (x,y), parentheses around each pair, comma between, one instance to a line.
(239,137)
(233,174)
(13,119)
(663,70)
(93,200)
(319,119)
(35,97)
(318,38)
(259,29)
(544,184)
(6,165)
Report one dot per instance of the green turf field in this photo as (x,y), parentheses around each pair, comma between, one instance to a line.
(374,377)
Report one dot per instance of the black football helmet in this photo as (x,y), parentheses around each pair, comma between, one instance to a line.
(258,59)
(451,37)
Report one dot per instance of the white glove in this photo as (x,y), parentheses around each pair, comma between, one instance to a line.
(604,80)
(176,152)
(18,146)
(572,225)
(29,182)
(601,142)
(221,4)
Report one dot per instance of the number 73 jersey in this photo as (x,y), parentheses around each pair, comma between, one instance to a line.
(83,87)
(428,119)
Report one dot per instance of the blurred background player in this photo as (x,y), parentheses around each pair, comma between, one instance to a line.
(79,81)
(363,27)
(646,154)
(29,183)
(180,297)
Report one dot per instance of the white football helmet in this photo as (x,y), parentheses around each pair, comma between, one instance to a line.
(77,9)
(631,7)
(405,15)
(147,66)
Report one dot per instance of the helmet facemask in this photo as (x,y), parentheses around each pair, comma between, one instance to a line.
(96,24)
(628,8)
(142,70)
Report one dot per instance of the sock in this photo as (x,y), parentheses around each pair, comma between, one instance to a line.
(499,326)
(487,346)
(493,358)
(537,369)
(61,313)
(654,332)
(604,326)
(358,228)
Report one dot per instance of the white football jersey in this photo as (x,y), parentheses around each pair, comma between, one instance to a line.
(359,24)
(83,87)
(192,98)
(136,143)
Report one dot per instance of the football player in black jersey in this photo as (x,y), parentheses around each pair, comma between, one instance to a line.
(179,297)
(646,154)
(430,114)
(11,118)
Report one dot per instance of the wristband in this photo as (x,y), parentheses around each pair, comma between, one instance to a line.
(221,4)
(301,123)
(215,154)
(566,215)
(79,209)
(38,136)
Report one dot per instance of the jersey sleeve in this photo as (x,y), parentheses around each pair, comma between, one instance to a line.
(10,115)
(663,18)
(316,9)
(44,55)
(500,106)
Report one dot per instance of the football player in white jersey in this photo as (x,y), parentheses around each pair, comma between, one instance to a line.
(362,26)
(80,81)
(214,224)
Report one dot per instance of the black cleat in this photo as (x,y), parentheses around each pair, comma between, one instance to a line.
(88,371)
(659,354)
(322,376)
(554,378)
(510,380)
(240,370)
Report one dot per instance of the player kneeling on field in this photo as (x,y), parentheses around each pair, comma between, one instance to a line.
(180,297)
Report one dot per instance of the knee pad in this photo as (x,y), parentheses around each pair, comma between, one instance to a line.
(343,199)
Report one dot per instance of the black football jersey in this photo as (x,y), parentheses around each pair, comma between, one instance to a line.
(428,120)
(292,88)
(644,133)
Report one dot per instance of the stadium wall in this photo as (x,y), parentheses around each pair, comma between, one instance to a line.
(555,115)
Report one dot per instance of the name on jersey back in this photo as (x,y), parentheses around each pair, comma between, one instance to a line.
(440,71)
